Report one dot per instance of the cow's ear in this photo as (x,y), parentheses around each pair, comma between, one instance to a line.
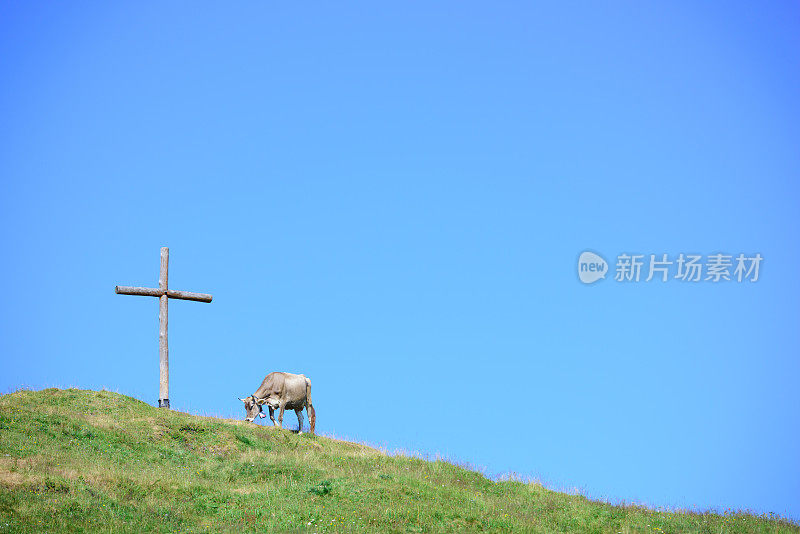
(261,401)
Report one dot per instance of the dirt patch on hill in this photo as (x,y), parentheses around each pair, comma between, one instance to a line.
(9,474)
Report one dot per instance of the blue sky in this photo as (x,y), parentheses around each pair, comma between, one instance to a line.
(391,199)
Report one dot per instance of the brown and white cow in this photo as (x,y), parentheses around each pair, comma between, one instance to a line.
(280,391)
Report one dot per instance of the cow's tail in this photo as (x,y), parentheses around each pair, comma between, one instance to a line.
(312,416)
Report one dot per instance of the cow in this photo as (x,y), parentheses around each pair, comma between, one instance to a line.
(280,391)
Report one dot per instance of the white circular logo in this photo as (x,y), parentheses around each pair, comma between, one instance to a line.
(591,267)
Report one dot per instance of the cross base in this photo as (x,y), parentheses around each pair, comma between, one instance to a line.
(163,403)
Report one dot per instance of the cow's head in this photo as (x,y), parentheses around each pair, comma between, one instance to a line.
(252,406)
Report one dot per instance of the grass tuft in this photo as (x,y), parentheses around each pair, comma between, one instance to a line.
(321,489)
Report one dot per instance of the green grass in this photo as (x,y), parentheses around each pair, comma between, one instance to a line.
(73,461)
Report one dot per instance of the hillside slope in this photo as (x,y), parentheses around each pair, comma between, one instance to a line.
(73,460)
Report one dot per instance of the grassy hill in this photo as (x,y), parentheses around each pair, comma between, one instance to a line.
(73,460)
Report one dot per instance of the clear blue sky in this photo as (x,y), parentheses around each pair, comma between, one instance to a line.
(391,199)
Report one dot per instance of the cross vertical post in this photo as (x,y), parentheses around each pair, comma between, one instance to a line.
(164,293)
(163,345)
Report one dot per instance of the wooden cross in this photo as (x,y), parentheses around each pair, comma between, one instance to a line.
(163,293)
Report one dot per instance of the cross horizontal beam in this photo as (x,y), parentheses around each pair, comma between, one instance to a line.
(157,292)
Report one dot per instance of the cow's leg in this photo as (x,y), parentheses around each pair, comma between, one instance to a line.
(280,415)
(299,412)
(312,416)
(272,414)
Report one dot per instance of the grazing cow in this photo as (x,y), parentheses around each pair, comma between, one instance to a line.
(280,391)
